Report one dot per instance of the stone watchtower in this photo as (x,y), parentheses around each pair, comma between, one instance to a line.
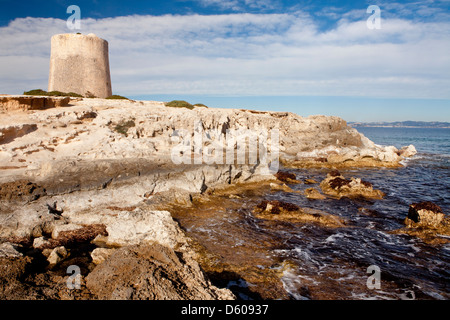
(80,63)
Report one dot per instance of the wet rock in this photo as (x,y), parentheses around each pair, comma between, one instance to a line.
(286,177)
(424,214)
(312,193)
(426,221)
(275,206)
(338,186)
(310,181)
(280,187)
(285,211)
(153,272)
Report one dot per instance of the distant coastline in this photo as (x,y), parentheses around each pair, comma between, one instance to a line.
(401,124)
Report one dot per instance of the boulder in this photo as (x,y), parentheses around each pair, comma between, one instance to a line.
(287,177)
(99,255)
(337,185)
(151,272)
(139,225)
(41,243)
(57,255)
(424,214)
(426,221)
(407,151)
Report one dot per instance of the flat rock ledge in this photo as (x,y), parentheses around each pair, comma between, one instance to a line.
(24,103)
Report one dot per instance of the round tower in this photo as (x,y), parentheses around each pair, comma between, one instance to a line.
(80,63)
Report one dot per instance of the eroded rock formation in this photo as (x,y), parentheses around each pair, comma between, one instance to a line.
(92,176)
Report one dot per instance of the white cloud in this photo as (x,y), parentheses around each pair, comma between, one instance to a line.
(245,54)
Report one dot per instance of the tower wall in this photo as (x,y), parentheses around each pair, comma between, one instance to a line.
(80,63)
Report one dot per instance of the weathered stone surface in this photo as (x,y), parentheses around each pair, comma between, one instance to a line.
(9,250)
(138,226)
(63,228)
(99,255)
(21,190)
(41,243)
(110,182)
(336,185)
(151,271)
(23,103)
(9,133)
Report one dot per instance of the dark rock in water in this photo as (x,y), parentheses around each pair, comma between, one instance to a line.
(425,213)
(426,221)
(276,206)
(337,185)
(286,176)
(334,173)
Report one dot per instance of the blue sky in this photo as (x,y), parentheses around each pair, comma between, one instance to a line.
(308,57)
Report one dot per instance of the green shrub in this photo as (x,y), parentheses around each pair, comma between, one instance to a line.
(73,94)
(115,96)
(40,92)
(35,92)
(64,94)
(123,127)
(179,104)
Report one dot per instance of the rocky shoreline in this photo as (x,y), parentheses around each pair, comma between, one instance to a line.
(92,185)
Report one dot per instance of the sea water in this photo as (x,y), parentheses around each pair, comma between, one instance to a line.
(337,260)
(319,262)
